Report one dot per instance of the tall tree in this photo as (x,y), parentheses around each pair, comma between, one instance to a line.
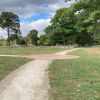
(32,36)
(60,27)
(93,6)
(54,34)
(10,22)
(83,36)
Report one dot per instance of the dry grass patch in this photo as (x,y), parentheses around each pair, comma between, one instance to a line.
(95,50)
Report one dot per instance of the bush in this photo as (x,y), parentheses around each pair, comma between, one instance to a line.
(4,43)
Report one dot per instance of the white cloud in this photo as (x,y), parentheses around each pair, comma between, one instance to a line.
(3,33)
(27,15)
(25,27)
(25,8)
(39,25)
(28,8)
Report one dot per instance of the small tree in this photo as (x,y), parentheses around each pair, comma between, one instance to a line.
(10,22)
(46,42)
(4,43)
(43,38)
(38,42)
(32,36)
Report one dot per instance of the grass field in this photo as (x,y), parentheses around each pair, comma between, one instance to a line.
(30,51)
(76,79)
(8,64)
(96,45)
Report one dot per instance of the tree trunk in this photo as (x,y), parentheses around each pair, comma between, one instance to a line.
(64,39)
(8,37)
(15,40)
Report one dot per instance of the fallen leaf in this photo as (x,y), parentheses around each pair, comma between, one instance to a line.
(96,96)
(79,85)
(78,90)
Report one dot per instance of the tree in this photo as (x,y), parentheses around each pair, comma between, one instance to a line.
(96,38)
(13,37)
(65,25)
(60,27)
(46,42)
(43,38)
(87,19)
(21,40)
(38,42)
(32,36)
(53,33)
(4,43)
(10,22)
(93,6)
(83,36)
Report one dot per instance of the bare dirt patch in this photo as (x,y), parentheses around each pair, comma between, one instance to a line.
(59,55)
(53,56)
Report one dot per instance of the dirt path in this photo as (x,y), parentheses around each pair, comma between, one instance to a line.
(29,82)
(59,55)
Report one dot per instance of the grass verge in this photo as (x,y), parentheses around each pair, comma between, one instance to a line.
(76,79)
(8,64)
(30,51)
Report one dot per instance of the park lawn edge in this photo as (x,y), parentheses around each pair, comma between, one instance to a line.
(31,51)
(75,79)
(9,64)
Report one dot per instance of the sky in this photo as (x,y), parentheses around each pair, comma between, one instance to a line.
(33,14)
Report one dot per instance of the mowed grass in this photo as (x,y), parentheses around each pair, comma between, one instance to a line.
(76,79)
(96,46)
(94,50)
(31,51)
(8,64)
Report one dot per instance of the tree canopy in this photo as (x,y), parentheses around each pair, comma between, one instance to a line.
(43,38)
(68,25)
(92,6)
(32,36)
(10,22)
(59,27)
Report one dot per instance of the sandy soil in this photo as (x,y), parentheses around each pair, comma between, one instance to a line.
(29,82)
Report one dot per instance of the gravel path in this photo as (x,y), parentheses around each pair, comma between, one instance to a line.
(29,82)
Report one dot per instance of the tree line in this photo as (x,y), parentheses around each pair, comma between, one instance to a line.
(78,24)
(11,23)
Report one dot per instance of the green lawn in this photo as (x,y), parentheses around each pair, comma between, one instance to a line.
(96,45)
(8,64)
(30,51)
(76,79)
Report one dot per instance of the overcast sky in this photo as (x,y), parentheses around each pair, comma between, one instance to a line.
(33,14)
